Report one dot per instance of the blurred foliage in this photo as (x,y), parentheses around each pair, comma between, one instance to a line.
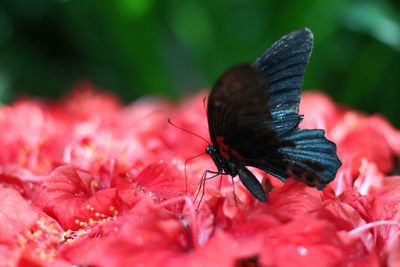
(173,47)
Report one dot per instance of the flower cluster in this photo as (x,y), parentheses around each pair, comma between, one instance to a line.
(88,181)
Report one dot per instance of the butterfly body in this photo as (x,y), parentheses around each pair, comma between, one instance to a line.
(253,120)
(231,166)
(224,165)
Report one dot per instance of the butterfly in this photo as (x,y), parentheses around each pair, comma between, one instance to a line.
(253,120)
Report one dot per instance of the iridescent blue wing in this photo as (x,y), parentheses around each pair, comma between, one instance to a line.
(283,66)
(307,154)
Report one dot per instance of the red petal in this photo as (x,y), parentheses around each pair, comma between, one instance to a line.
(146,235)
(16,215)
(386,199)
(367,142)
(307,241)
(222,250)
(319,111)
(162,179)
(341,214)
(294,199)
(63,195)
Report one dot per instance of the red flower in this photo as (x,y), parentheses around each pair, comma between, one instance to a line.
(88,181)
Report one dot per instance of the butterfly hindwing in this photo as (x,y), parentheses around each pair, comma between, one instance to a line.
(313,159)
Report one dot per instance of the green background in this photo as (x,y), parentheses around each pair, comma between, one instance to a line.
(175,47)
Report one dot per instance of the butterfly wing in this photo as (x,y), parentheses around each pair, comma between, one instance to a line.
(307,154)
(283,66)
(253,115)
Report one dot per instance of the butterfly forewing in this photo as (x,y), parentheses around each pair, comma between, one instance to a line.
(283,66)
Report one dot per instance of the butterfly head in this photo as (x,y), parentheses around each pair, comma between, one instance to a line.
(210,150)
(221,163)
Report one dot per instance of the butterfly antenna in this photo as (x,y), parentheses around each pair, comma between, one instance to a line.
(180,128)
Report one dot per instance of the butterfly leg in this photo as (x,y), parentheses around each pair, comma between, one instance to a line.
(233,190)
(201,187)
(185,167)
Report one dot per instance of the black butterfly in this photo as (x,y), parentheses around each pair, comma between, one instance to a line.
(253,120)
